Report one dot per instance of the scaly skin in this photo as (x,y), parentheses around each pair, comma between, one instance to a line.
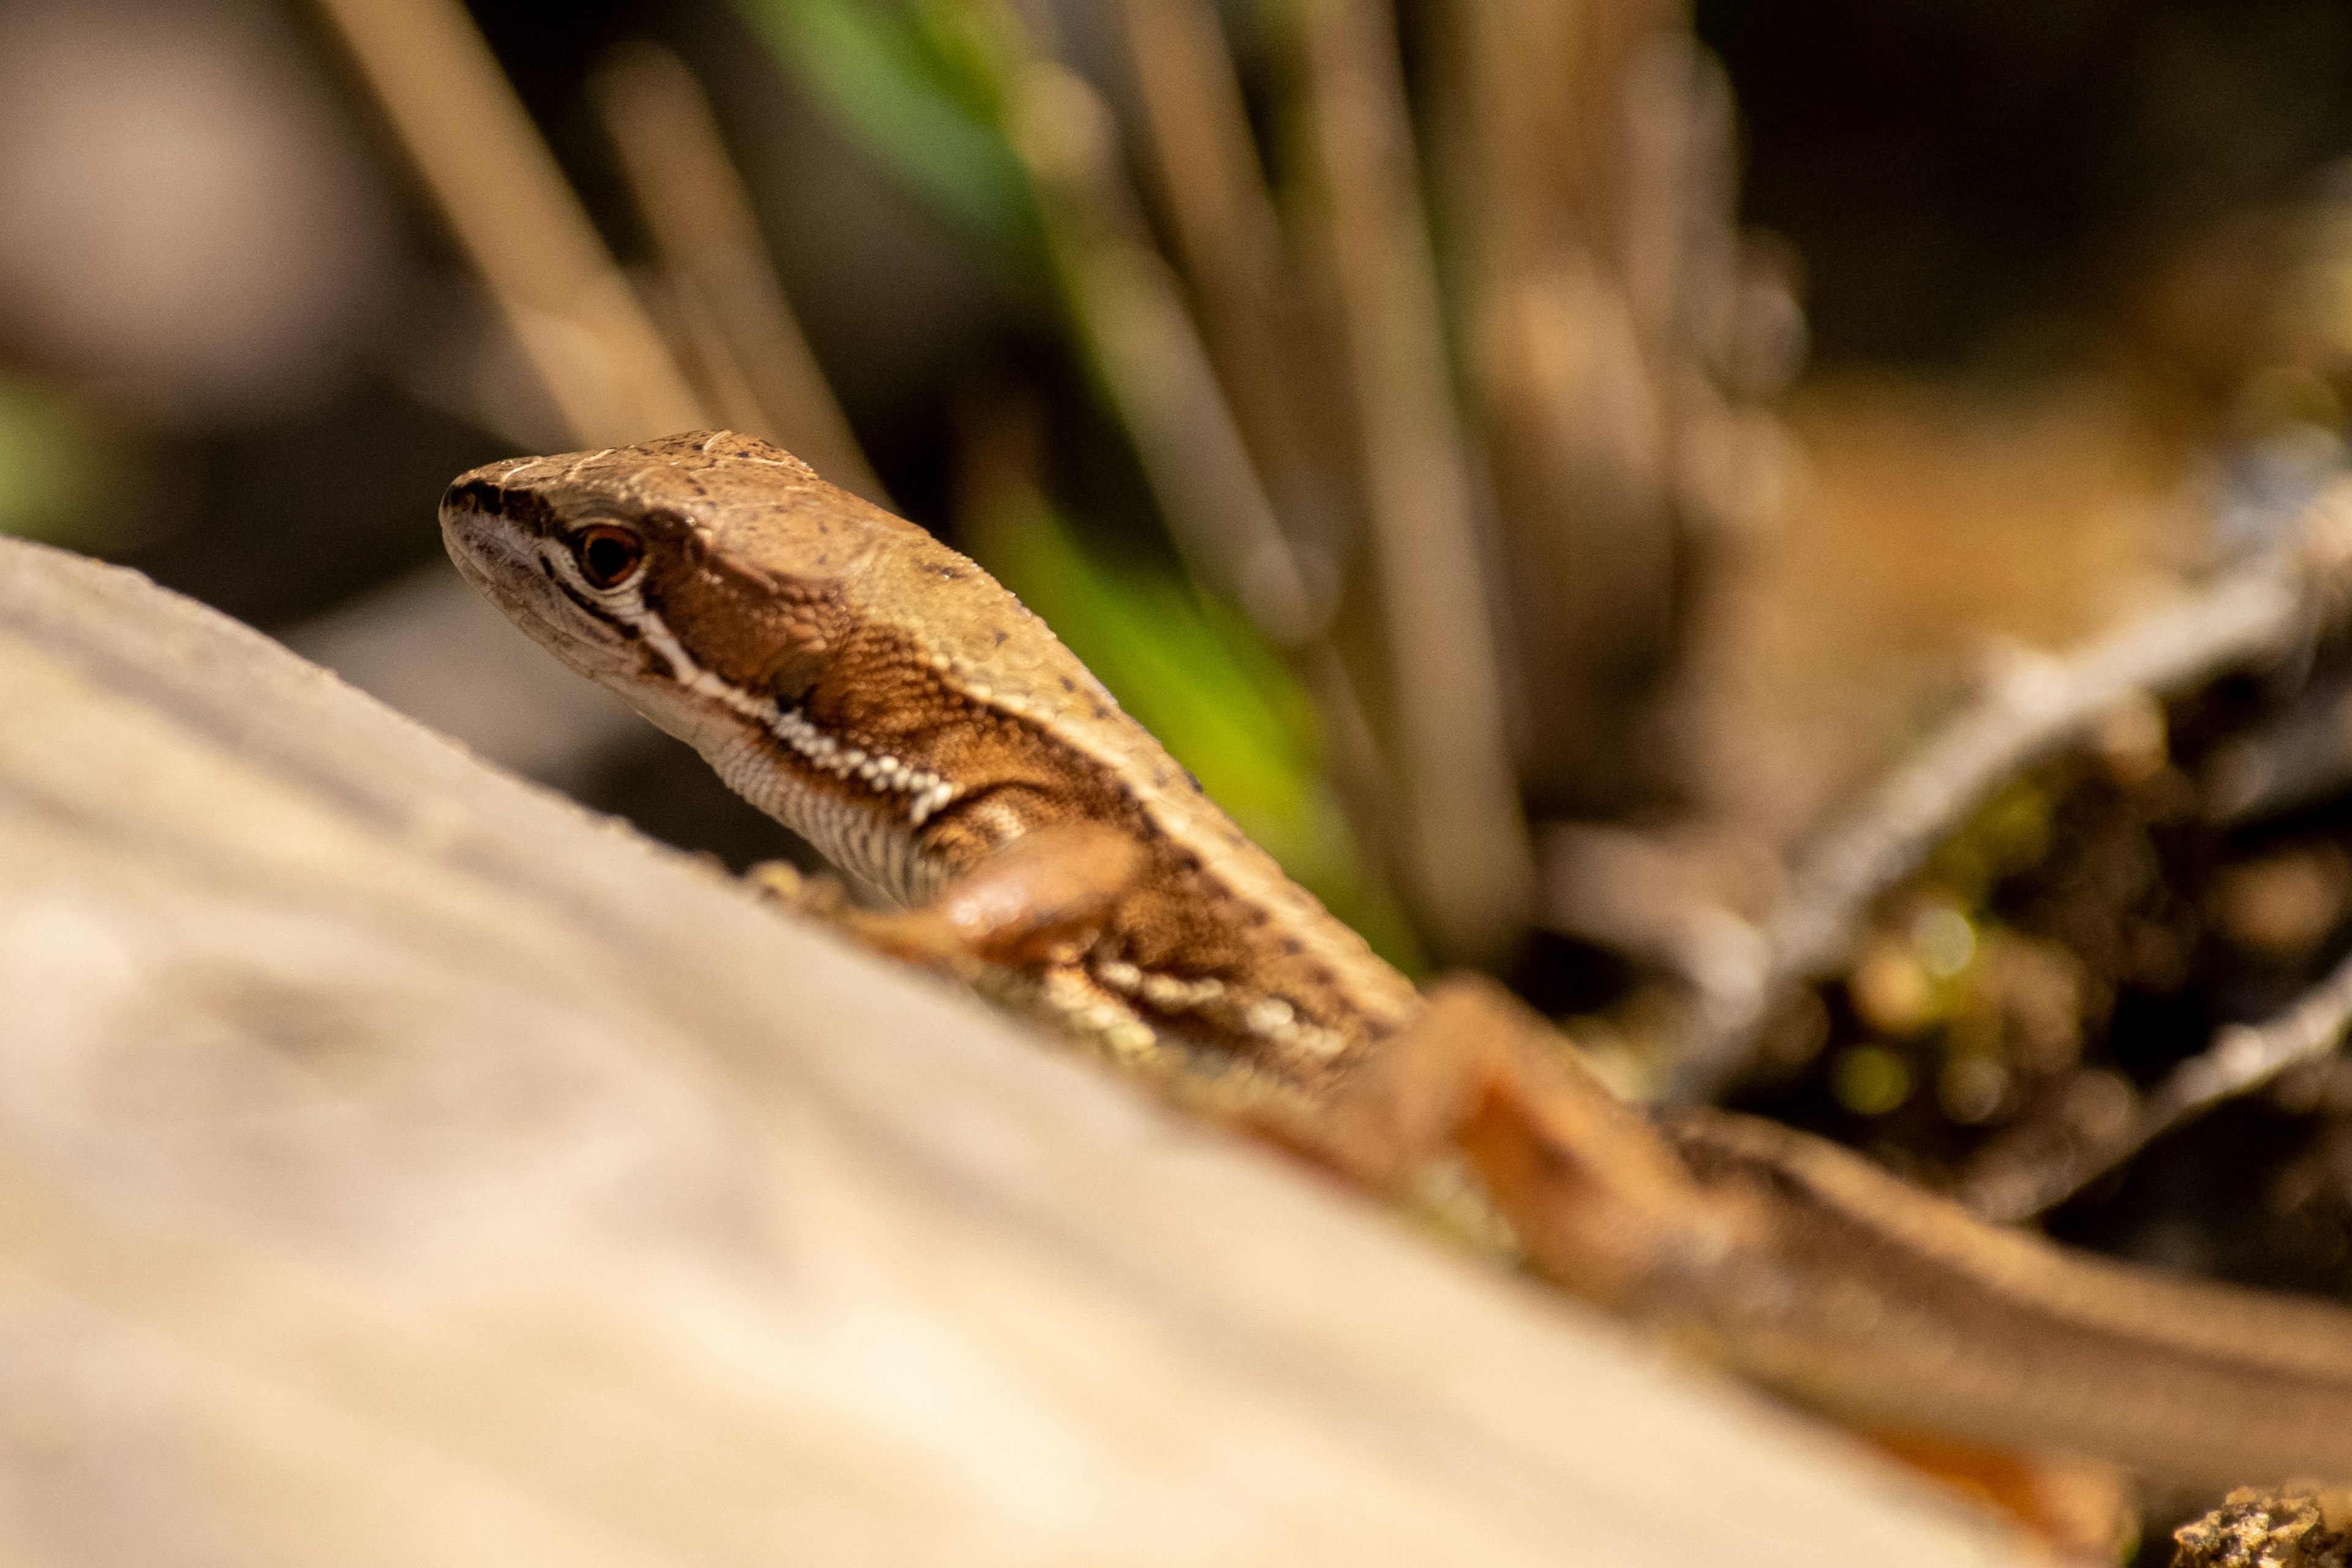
(810,617)
(880,695)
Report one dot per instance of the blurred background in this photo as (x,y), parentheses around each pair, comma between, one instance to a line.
(1534,460)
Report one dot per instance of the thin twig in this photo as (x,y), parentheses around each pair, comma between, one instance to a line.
(757,362)
(2034,705)
(2242,1057)
(2304,756)
(1472,867)
(586,336)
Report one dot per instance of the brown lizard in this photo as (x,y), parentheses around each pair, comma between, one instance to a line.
(883,697)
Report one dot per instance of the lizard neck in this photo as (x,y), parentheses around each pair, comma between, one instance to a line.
(904,766)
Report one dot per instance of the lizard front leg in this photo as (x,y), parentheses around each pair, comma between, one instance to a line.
(1596,1197)
(1044,895)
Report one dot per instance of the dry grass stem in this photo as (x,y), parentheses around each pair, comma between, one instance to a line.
(1470,865)
(586,336)
(756,363)
(1592,152)
(1151,360)
(1230,242)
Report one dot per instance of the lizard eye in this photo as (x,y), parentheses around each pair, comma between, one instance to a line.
(607,554)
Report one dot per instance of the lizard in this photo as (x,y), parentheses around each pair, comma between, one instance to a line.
(884,698)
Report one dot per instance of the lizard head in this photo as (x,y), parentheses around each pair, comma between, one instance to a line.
(687,575)
(792,633)
(844,672)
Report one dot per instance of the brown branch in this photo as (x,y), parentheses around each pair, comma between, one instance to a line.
(2033,705)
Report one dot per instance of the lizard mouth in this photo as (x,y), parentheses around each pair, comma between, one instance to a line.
(489,561)
(510,572)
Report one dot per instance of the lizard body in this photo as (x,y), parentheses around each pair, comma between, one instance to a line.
(884,697)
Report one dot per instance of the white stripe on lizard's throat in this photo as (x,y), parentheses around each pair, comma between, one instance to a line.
(856,839)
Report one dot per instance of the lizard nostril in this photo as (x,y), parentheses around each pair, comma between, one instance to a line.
(469,496)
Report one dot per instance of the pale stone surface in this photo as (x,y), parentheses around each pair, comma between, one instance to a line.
(399,1166)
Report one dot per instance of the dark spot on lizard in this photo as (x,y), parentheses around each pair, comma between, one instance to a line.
(1001,634)
(1193,779)
(1068,684)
